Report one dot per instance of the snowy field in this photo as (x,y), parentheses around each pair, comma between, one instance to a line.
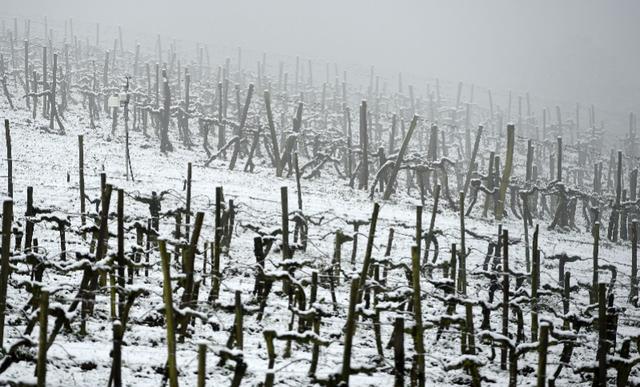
(44,161)
(462,318)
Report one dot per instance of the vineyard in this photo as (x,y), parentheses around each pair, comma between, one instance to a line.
(174,216)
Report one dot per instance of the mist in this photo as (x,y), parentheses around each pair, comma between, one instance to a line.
(561,52)
(319,193)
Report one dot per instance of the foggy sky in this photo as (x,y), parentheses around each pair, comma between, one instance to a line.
(564,50)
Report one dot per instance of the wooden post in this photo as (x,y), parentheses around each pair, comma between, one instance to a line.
(417,312)
(529,163)
(472,161)
(168,307)
(53,110)
(272,130)
(165,143)
(469,329)
(490,184)
(337,257)
(542,355)
(462,265)
(396,166)
(596,246)
(614,219)
(535,284)
(354,246)
(505,297)
(601,376)
(633,293)
(240,128)
(117,354)
(7,136)
(120,256)
(271,353)
(215,265)
(471,343)
(28,237)
(453,263)
(187,219)
(619,178)
(398,352)
(148,247)
(559,160)
(202,364)
(81,178)
(363,181)
(350,330)
(432,221)
(419,228)
(204,261)
(188,267)
(41,367)
(566,298)
(315,352)
(284,201)
(177,235)
(506,174)
(367,255)
(103,235)
(238,323)
(113,302)
(5,268)
(526,217)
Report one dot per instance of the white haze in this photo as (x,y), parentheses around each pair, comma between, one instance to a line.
(563,51)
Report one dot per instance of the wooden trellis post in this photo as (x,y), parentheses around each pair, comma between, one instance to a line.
(7,136)
(417,313)
(28,237)
(41,368)
(542,355)
(117,353)
(472,161)
(535,284)
(5,268)
(187,219)
(596,247)
(398,352)
(367,256)
(633,293)
(506,176)
(350,330)
(168,309)
(505,297)
(601,375)
(396,166)
(83,208)
(462,265)
(202,364)
(418,228)
(215,264)
(120,252)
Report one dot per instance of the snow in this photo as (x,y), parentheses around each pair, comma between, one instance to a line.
(43,160)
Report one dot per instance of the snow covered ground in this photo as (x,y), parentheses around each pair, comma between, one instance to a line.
(44,160)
